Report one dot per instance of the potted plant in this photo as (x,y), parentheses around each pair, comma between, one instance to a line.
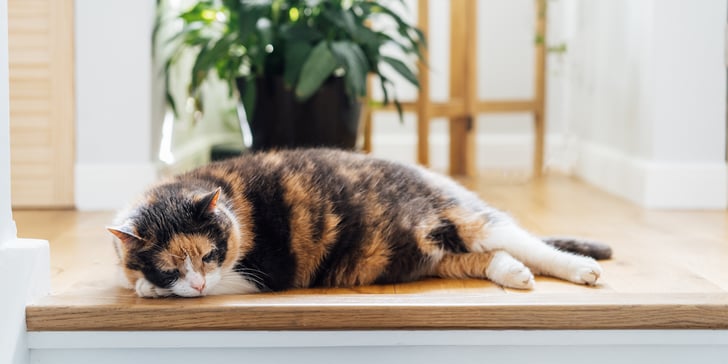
(300,66)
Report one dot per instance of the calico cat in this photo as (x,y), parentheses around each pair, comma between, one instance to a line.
(325,218)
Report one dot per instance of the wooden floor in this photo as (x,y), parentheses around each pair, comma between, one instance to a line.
(670,270)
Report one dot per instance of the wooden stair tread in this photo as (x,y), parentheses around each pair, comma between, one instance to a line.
(668,272)
(115,310)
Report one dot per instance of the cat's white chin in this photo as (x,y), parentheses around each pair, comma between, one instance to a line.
(184,287)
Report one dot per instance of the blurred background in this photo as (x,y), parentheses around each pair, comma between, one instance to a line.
(634,98)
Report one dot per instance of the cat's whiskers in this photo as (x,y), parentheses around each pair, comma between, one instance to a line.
(250,274)
(254,274)
(253,270)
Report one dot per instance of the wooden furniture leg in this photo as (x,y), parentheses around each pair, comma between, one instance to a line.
(423,97)
(463,86)
(367,118)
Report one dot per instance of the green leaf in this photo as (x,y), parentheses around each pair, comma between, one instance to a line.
(299,32)
(296,53)
(351,55)
(406,48)
(383,81)
(168,96)
(317,68)
(343,19)
(201,12)
(421,39)
(207,59)
(402,69)
(249,15)
(400,112)
(367,36)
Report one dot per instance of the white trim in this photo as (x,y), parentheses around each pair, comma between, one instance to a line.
(363,347)
(24,276)
(321,339)
(654,184)
(111,186)
(499,151)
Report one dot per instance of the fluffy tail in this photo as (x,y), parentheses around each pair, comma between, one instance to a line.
(580,246)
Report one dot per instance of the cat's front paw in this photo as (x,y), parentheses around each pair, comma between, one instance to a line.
(146,289)
(586,271)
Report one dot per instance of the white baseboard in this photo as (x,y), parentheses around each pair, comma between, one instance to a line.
(504,151)
(654,184)
(686,186)
(111,186)
(403,346)
(24,276)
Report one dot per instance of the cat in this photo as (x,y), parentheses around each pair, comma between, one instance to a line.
(272,221)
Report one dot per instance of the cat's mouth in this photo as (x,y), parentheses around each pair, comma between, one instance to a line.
(196,287)
(189,293)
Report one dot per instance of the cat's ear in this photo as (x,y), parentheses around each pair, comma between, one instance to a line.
(125,233)
(207,203)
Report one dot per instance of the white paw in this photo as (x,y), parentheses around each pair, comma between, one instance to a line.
(585,271)
(507,271)
(520,277)
(144,288)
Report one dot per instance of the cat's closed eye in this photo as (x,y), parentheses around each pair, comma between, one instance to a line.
(165,278)
(209,257)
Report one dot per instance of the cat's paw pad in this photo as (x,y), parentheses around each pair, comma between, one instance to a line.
(509,272)
(586,272)
(146,289)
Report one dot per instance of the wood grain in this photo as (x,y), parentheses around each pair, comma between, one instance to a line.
(381,311)
(668,271)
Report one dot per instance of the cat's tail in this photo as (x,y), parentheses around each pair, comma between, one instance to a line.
(590,248)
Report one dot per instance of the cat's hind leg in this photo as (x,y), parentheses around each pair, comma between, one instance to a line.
(498,266)
(505,234)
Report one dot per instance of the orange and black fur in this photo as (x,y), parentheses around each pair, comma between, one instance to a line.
(325,218)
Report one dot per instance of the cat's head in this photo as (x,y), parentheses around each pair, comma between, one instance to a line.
(179,241)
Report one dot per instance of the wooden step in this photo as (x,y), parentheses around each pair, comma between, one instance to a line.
(340,311)
(668,272)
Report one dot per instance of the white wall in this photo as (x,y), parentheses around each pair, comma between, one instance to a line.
(646,91)
(113,101)
(690,84)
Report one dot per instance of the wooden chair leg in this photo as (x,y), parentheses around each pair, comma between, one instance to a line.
(462,146)
(367,119)
(423,96)
(463,73)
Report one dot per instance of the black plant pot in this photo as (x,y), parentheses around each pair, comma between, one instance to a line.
(328,119)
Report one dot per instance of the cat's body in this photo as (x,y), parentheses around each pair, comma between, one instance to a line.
(315,217)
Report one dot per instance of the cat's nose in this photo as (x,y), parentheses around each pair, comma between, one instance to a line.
(199,284)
